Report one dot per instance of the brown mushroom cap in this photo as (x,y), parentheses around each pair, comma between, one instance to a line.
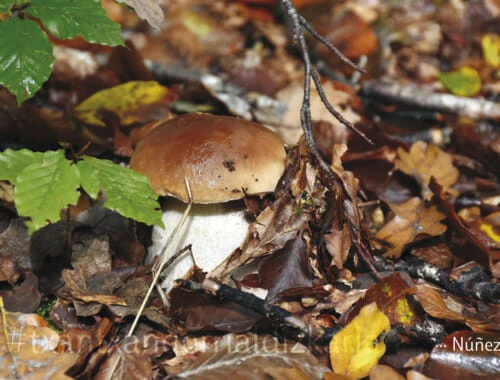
(223,158)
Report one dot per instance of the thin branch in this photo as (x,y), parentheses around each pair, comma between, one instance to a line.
(332,110)
(306,120)
(476,108)
(329,45)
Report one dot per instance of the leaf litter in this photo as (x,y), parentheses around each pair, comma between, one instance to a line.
(309,248)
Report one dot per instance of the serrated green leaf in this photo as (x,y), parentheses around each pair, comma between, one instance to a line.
(13,162)
(127,192)
(5,5)
(46,187)
(26,60)
(70,18)
(463,82)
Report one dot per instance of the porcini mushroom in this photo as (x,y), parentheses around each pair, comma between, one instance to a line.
(223,158)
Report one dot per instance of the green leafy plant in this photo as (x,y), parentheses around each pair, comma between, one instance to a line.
(47,182)
(26,59)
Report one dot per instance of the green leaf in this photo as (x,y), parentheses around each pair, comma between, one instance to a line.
(26,58)
(5,6)
(46,187)
(464,82)
(13,162)
(127,192)
(70,18)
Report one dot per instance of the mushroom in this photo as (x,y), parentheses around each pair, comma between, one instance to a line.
(223,158)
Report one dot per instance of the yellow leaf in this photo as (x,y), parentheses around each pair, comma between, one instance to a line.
(491,49)
(463,82)
(126,100)
(359,345)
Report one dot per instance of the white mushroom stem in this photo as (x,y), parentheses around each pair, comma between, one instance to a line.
(213,230)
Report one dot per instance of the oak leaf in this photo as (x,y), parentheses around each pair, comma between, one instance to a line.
(412,218)
(424,161)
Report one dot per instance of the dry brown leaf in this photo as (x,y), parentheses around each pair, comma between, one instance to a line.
(148,10)
(252,357)
(445,306)
(424,161)
(27,349)
(412,218)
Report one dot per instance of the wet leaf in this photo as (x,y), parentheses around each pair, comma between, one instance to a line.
(359,345)
(424,161)
(491,49)
(463,82)
(127,100)
(27,60)
(285,269)
(411,219)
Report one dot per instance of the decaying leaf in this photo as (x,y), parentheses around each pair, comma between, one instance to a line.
(359,345)
(133,102)
(424,161)
(27,349)
(412,218)
(392,297)
(251,356)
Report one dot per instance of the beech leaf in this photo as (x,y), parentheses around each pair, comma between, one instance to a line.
(26,60)
(359,345)
(463,82)
(125,100)
(44,188)
(68,19)
(411,219)
(127,192)
(13,162)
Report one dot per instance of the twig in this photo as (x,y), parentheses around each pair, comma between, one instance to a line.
(164,259)
(475,283)
(258,305)
(476,108)
(298,23)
